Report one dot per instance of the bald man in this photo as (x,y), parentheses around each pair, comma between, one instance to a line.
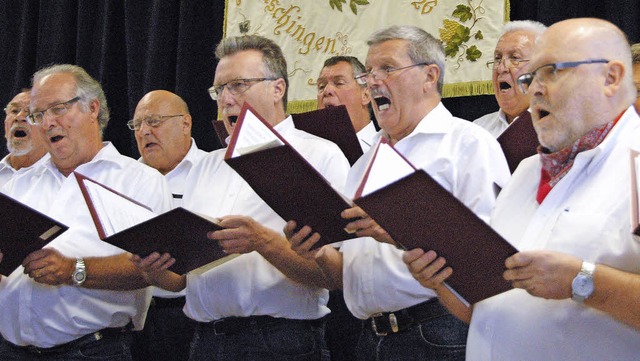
(635,53)
(26,148)
(162,127)
(567,211)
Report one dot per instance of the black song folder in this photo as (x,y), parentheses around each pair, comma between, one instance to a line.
(22,231)
(417,212)
(179,232)
(291,186)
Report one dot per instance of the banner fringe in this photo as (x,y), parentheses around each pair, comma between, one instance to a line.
(467,89)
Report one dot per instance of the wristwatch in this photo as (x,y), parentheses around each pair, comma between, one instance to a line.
(79,275)
(582,285)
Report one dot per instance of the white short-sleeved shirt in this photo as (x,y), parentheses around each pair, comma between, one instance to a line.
(45,316)
(7,171)
(495,123)
(465,160)
(586,215)
(249,285)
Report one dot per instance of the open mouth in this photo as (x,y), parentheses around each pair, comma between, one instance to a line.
(56,138)
(504,85)
(19,133)
(383,103)
(233,119)
(543,113)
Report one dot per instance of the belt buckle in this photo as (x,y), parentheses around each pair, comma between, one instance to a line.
(373,324)
(393,322)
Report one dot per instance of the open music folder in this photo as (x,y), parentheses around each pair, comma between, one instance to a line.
(133,227)
(417,212)
(333,124)
(22,231)
(291,186)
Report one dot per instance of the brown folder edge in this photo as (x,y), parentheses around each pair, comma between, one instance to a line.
(635,226)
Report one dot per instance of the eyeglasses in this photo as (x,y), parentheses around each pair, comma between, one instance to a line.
(382,74)
(547,73)
(509,63)
(151,121)
(235,87)
(15,110)
(55,111)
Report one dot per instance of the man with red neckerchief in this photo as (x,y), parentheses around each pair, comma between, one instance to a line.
(567,211)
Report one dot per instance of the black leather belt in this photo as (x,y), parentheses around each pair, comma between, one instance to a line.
(71,345)
(234,325)
(161,302)
(392,322)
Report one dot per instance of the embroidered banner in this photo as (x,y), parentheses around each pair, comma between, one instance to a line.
(310,31)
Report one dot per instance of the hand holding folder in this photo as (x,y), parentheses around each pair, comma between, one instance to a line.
(291,186)
(133,227)
(22,231)
(417,212)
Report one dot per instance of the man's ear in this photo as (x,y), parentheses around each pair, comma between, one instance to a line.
(432,72)
(186,124)
(614,77)
(365,96)
(94,108)
(280,87)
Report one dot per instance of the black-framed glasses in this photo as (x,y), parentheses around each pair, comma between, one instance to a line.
(56,110)
(235,86)
(547,73)
(382,74)
(509,63)
(152,121)
(15,110)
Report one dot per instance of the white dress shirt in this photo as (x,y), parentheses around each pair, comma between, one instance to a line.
(45,316)
(586,215)
(177,176)
(465,160)
(249,285)
(495,123)
(7,171)
(176,179)
(366,136)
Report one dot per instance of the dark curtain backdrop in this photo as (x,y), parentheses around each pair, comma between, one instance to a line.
(135,46)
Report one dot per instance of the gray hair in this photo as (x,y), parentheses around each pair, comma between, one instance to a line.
(423,47)
(87,88)
(635,53)
(534,27)
(356,65)
(275,65)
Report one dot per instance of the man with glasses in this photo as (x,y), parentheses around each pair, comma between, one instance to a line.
(162,127)
(268,303)
(403,320)
(337,85)
(76,298)
(567,211)
(25,146)
(510,58)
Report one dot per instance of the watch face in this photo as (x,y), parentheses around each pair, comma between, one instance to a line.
(582,285)
(78,277)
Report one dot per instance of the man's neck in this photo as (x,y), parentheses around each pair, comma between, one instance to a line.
(27,160)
